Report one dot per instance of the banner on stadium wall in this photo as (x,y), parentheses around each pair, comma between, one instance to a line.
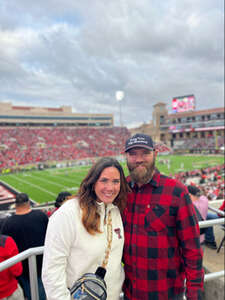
(196,129)
(209,128)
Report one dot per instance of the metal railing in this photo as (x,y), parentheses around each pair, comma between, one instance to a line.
(31,255)
(209,223)
(217,211)
(33,252)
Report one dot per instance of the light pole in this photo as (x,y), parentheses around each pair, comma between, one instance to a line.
(119,98)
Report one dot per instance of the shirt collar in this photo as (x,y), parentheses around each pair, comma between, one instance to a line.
(101,205)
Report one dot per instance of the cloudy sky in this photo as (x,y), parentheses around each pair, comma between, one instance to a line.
(79,53)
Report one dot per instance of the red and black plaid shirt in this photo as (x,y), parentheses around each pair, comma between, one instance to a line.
(162,245)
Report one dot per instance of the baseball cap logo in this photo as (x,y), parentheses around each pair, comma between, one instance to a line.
(137,140)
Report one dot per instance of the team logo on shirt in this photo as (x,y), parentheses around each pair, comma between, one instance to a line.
(118,232)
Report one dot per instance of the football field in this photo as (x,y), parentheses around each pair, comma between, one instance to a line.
(43,186)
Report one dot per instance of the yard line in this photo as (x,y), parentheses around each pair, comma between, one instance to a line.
(34,185)
(50,182)
(71,169)
(66,179)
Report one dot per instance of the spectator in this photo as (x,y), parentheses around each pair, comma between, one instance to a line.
(222,206)
(62,196)
(210,240)
(162,246)
(27,227)
(79,231)
(201,203)
(9,287)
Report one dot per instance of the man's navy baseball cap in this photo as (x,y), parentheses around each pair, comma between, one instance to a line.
(139,140)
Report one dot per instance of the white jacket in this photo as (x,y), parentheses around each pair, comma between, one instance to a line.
(70,251)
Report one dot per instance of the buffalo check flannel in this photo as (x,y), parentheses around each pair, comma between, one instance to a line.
(162,247)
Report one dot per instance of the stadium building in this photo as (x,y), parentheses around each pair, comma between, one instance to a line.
(11,115)
(187,131)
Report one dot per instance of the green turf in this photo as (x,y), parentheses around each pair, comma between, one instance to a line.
(43,186)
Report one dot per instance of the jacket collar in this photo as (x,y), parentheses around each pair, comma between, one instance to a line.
(101,206)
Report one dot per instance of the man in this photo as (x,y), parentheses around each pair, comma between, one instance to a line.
(162,247)
(27,227)
(9,287)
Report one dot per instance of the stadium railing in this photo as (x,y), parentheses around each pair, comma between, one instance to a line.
(217,211)
(31,255)
(33,252)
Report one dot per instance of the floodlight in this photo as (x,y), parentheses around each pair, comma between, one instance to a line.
(119,95)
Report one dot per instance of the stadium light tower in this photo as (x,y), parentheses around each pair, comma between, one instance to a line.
(119,98)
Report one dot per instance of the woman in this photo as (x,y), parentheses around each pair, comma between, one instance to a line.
(76,238)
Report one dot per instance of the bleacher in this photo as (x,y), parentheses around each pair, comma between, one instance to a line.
(198,143)
(25,145)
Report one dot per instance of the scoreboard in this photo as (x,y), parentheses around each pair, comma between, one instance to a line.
(183,103)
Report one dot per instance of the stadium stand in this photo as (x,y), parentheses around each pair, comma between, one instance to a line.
(7,197)
(198,144)
(25,145)
(213,185)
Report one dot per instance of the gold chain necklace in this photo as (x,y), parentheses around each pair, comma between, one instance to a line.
(109,240)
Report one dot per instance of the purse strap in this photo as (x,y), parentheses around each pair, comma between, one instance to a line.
(109,240)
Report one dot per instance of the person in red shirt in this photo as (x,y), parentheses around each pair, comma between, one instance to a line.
(162,247)
(9,287)
(222,207)
(210,240)
(28,228)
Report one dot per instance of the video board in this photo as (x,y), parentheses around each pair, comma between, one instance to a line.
(183,103)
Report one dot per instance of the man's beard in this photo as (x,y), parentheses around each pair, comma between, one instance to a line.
(141,175)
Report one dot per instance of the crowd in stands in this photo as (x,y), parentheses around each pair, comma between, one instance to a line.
(23,145)
(210,179)
(211,185)
(199,143)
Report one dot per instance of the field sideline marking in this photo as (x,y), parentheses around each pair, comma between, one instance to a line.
(66,179)
(50,182)
(36,186)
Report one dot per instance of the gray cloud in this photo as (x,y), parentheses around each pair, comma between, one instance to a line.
(80,53)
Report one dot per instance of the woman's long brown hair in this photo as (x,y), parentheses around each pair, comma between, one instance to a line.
(87,196)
